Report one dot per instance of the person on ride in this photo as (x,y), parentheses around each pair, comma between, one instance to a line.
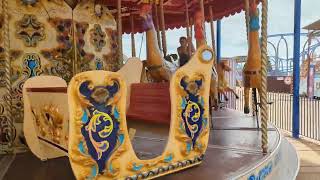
(184,55)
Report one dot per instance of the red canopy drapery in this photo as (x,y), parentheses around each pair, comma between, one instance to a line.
(174,11)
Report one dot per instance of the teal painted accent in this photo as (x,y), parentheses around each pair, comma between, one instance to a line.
(205,122)
(168,158)
(110,168)
(93,173)
(137,168)
(202,102)
(188,147)
(181,127)
(84,117)
(81,147)
(254,23)
(183,103)
(116,113)
(121,138)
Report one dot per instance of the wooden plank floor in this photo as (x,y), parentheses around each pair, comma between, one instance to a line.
(234,145)
(309,155)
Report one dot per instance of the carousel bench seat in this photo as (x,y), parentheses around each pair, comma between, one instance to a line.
(150,102)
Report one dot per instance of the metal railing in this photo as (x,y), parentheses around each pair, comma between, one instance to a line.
(280,112)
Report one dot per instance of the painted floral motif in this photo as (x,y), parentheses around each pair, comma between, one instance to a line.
(111,59)
(97,37)
(60,57)
(84,57)
(30,30)
(5,128)
(193,122)
(99,64)
(32,65)
(100,125)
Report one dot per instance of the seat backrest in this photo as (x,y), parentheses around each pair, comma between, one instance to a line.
(131,73)
(43,150)
(150,102)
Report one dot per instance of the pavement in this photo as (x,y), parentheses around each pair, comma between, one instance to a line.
(309,154)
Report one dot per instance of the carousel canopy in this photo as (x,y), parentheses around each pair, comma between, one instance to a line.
(174,11)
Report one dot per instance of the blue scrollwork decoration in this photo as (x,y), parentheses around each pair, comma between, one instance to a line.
(192,110)
(100,123)
(32,65)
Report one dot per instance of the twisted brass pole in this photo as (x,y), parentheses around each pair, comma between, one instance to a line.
(8,70)
(264,58)
(119,26)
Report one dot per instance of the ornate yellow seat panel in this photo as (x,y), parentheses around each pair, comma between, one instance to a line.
(99,144)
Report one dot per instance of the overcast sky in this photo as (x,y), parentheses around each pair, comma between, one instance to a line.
(281,20)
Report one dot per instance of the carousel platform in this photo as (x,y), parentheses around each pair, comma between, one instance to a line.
(234,152)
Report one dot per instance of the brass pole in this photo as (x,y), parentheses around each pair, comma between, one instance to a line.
(156,17)
(120,60)
(212,32)
(8,73)
(133,43)
(163,32)
(75,52)
(204,18)
(246,7)
(188,25)
(264,58)
(191,28)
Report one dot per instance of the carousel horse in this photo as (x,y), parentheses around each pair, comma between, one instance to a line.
(252,68)
(223,86)
(155,62)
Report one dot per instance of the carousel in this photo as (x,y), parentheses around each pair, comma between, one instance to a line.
(72,109)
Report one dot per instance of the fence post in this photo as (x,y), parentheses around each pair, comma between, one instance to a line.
(296,69)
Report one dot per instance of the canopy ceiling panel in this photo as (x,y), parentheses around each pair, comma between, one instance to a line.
(174,11)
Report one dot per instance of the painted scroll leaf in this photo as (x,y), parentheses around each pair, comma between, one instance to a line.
(95,33)
(99,144)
